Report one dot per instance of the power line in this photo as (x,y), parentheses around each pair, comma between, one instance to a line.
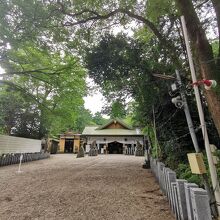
(177,110)
(182,136)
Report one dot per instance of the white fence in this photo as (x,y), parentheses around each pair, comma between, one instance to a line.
(10,144)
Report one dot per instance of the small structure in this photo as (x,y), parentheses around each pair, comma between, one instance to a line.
(69,142)
(115,137)
(53,145)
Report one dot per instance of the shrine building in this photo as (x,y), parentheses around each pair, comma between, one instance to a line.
(69,142)
(115,136)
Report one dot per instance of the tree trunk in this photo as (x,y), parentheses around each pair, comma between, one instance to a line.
(203,54)
(216,5)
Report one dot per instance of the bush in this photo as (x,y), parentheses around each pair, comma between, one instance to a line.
(184,172)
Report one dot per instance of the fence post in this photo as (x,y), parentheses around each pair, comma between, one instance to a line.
(171,177)
(200,204)
(160,174)
(187,187)
(176,210)
(156,169)
(166,180)
(182,198)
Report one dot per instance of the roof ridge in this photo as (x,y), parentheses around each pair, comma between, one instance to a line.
(120,121)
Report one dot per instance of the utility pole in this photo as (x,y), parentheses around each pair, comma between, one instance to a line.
(212,168)
(194,139)
(187,113)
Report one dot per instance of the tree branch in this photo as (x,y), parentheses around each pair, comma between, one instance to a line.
(95,16)
(24,91)
(202,3)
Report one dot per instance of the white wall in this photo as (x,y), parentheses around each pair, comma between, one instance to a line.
(10,144)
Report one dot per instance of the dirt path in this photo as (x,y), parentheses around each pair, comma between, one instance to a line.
(91,188)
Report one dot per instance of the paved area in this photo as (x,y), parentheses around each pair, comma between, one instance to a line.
(90,188)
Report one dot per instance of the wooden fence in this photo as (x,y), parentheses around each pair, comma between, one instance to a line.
(187,201)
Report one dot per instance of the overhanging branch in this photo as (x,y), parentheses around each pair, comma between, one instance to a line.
(24,92)
(87,15)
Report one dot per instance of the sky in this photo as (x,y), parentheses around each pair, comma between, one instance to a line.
(95,101)
(1,70)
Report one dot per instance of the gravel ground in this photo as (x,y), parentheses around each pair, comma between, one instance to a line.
(90,188)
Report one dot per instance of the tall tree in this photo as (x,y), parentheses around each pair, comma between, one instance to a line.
(124,67)
(53,84)
(209,67)
(98,118)
(10,109)
(61,22)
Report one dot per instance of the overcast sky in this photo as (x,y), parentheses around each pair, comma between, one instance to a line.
(95,100)
(1,71)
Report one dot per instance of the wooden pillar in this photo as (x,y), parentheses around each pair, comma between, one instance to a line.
(76,145)
(62,145)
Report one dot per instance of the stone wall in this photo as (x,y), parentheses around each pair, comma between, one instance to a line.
(8,159)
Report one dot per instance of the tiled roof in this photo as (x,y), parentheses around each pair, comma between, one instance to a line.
(93,130)
(126,126)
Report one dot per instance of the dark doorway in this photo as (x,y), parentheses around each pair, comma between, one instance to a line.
(68,146)
(115,148)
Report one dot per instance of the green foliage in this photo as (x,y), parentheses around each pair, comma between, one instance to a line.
(37,43)
(150,132)
(80,121)
(128,120)
(10,108)
(123,67)
(184,172)
(215,48)
(51,83)
(97,119)
(217,153)
(117,110)
(218,165)
(157,9)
